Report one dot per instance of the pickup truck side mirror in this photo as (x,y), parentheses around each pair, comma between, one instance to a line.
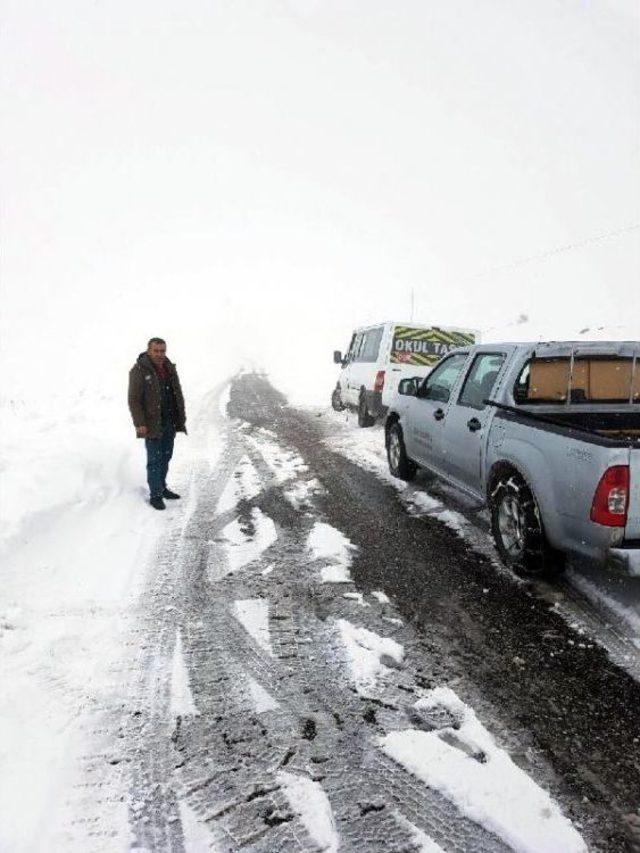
(408,387)
(337,356)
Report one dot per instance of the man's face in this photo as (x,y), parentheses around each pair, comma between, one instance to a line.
(157,353)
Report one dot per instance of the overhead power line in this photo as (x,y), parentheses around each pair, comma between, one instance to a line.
(559,250)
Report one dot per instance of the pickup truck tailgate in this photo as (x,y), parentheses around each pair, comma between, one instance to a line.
(632,530)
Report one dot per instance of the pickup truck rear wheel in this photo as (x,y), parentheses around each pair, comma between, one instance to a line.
(518,530)
(399,463)
(364,418)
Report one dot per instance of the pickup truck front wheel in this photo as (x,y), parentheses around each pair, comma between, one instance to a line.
(399,463)
(518,530)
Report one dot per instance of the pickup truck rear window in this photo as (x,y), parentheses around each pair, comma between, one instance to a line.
(592,380)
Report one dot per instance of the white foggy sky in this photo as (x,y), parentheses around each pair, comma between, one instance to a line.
(251,178)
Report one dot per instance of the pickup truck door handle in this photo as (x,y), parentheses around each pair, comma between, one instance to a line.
(474,425)
(438,414)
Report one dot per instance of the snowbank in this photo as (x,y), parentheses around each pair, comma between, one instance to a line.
(78,450)
(76,536)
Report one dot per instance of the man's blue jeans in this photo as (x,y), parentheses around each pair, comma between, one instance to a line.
(159,453)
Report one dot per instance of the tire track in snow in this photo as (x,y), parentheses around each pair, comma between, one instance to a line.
(320,712)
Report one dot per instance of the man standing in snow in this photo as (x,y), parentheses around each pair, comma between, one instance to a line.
(157,408)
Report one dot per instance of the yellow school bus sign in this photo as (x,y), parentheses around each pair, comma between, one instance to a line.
(425,346)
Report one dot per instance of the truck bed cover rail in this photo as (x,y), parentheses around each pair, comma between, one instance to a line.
(594,434)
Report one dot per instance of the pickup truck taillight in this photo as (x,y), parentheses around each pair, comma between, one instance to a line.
(378,385)
(611,500)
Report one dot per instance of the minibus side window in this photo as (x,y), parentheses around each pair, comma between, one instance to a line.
(371,347)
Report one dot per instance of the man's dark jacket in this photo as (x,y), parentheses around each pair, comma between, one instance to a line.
(145,398)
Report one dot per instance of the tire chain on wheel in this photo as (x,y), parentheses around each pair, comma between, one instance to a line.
(538,558)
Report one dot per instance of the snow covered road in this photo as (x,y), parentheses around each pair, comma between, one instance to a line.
(290,660)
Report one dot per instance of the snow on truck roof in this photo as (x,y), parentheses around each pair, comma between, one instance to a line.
(563,349)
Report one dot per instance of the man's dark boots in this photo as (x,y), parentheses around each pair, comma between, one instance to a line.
(157,503)
(169,495)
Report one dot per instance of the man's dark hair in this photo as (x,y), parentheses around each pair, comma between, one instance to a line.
(156,341)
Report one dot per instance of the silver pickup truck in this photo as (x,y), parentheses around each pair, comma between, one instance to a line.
(546,435)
